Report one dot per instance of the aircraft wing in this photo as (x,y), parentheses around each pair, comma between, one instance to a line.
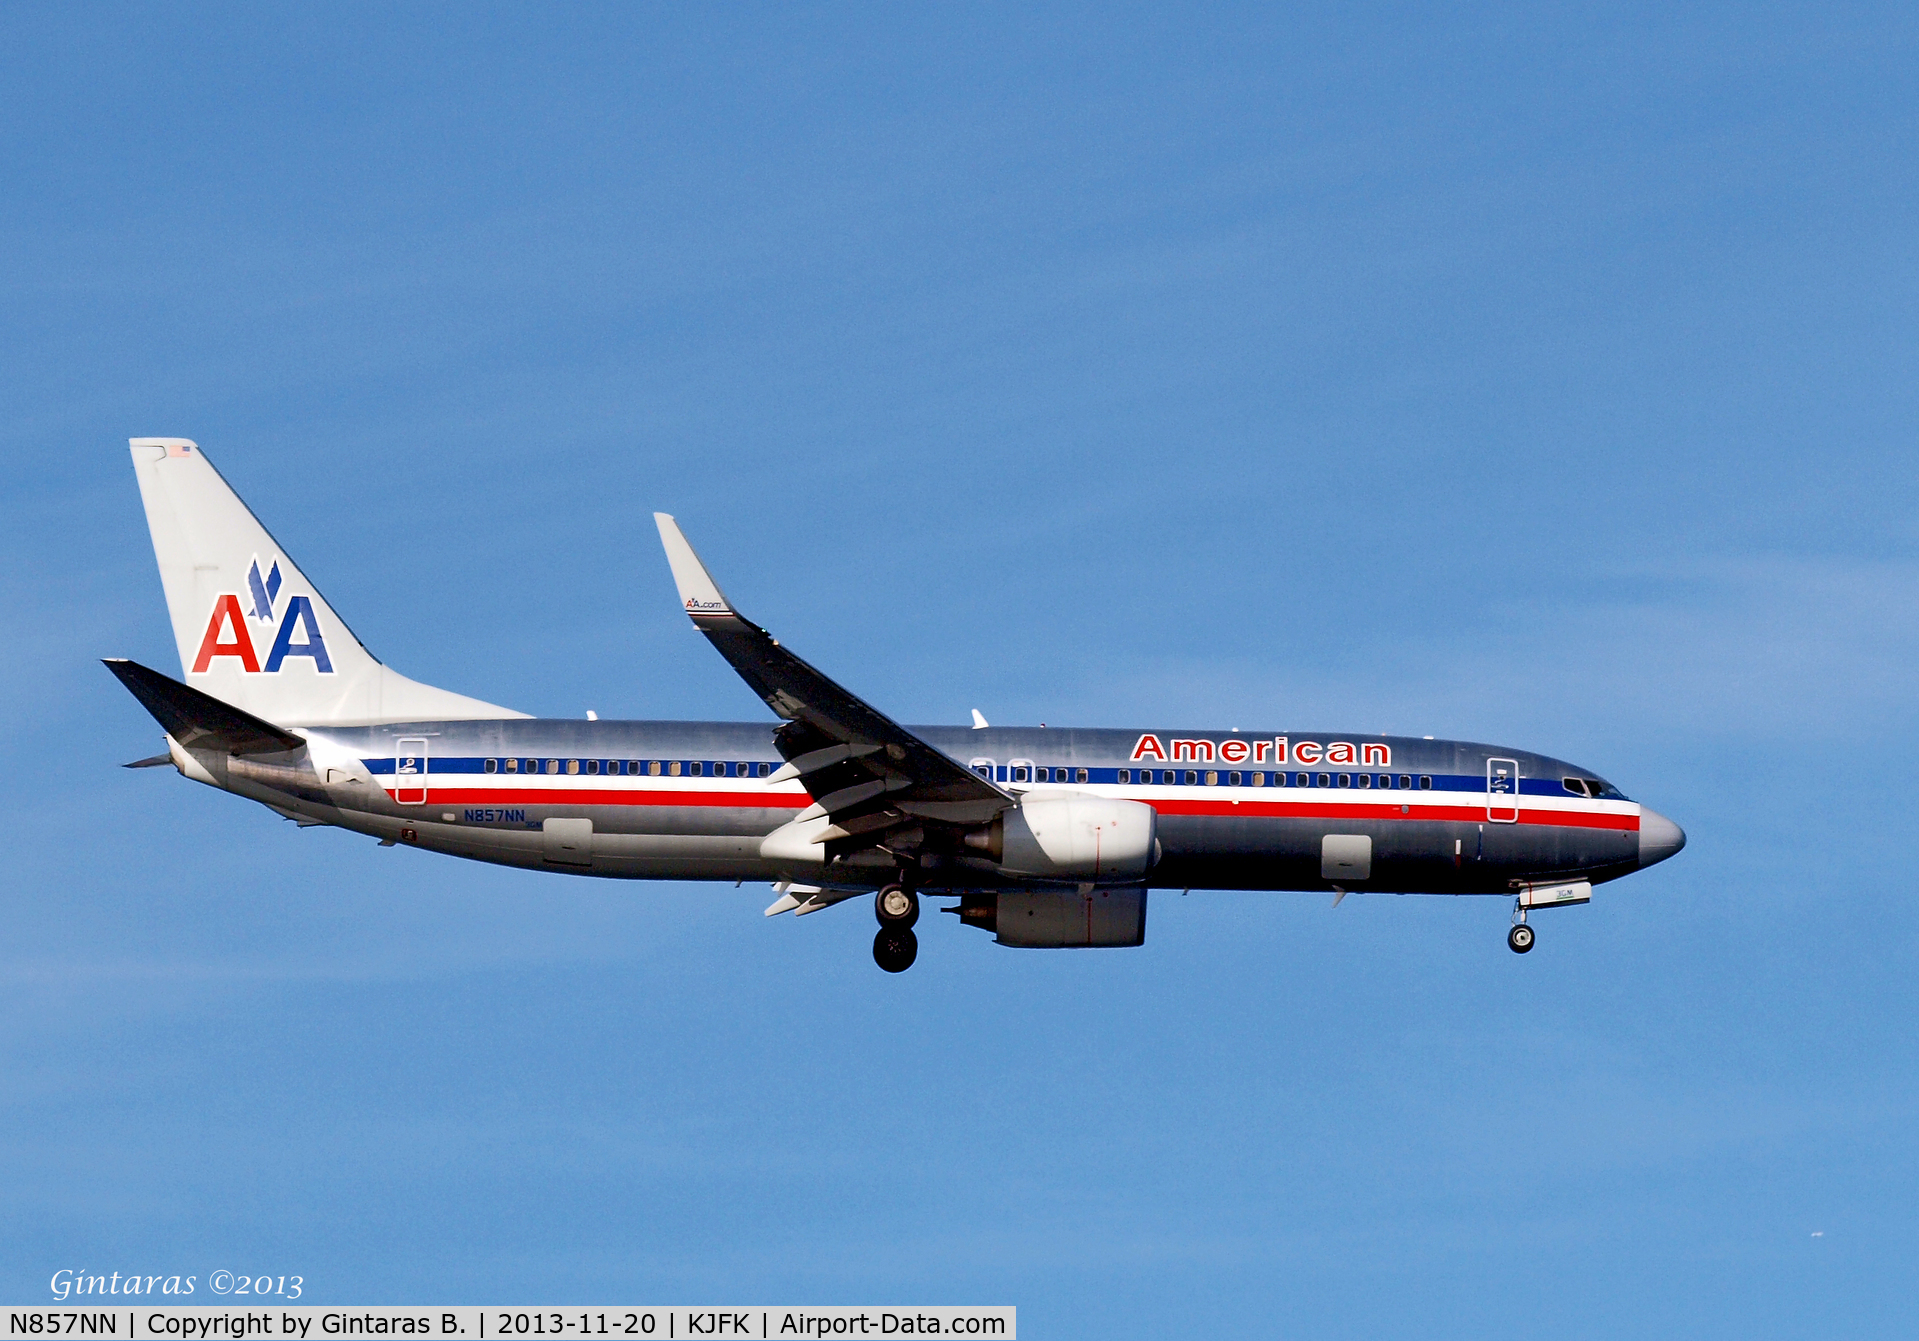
(862,768)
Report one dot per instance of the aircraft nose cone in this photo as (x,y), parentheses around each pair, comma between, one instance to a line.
(1659,837)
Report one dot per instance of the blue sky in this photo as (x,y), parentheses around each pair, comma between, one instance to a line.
(1541,376)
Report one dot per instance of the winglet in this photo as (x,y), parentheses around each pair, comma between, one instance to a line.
(699,593)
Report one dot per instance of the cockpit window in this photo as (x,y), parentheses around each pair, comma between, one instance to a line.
(1597,788)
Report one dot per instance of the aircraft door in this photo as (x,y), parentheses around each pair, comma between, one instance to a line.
(1502,791)
(409,771)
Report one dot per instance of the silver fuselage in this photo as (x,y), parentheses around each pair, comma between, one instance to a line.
(689,801)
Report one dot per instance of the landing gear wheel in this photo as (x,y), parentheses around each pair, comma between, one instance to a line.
(897,906)
(895,949)
(1520,938)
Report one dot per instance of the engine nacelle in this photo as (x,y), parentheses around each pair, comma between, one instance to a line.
(1089,837)
(1046,920)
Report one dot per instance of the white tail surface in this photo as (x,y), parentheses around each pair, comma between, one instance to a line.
(252,630)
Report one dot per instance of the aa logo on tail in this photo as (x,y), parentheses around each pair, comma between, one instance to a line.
(228,635)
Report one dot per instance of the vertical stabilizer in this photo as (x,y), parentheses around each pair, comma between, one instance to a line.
(252,631)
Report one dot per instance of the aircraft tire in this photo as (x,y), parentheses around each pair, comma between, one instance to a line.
(1520,938)
(895,949)
(897,906)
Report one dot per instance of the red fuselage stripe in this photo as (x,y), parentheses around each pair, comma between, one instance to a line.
(1246,809)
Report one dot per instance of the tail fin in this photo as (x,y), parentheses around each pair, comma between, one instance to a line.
(252,631)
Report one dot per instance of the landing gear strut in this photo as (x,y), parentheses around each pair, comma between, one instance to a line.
(896,947)
(1520,938)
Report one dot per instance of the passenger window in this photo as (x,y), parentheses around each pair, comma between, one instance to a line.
(672,768)
(1345,779)
(1259,779)
(1125,775)
(512,765)
(1212,778)
(1365,779)
(697,768)
(1019,773)
(592,765)
(1083,775)
(766,770)
(491,766)
(1192,777)
(1233,779)
(1425,782)
(1325,779)
(653,768)
(572,766)
(1405,780)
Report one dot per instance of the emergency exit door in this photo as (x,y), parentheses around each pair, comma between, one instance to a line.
(409,771)
(1502,791)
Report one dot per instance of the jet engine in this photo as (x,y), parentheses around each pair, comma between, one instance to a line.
(1088,837)
(1045,919)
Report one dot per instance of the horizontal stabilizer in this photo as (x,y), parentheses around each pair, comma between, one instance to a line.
(200,721)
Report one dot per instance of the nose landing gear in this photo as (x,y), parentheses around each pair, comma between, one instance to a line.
(1520,938)
(896,947)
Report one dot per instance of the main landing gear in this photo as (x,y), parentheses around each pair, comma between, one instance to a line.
(896,947)
(1520,938)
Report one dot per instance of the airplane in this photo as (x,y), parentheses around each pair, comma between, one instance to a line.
(1045,837)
